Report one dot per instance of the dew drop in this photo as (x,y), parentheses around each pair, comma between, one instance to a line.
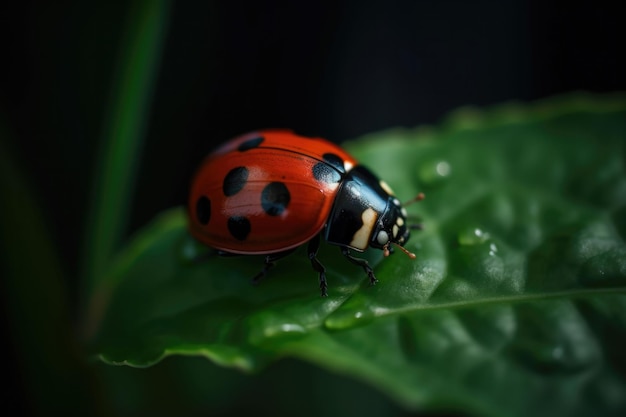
(347,317)
(273,325)
(443,168)
(557,352)
(434,171)
(191,250)
(473,236)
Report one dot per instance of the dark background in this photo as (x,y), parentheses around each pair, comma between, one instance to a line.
(337,69)
(332,69)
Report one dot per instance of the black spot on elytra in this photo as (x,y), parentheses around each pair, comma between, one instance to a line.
(275,198)
(250,144)
(335,161)
(325,173)
(234,181)
(239,227)
(203,210)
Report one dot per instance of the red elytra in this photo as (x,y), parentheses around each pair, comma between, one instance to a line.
(269,192)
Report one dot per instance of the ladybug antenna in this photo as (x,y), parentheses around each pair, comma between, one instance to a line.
(414,226)
(418,197)
(386,250)
(409,254)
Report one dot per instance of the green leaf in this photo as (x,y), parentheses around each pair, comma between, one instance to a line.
(122,138)
(515,305)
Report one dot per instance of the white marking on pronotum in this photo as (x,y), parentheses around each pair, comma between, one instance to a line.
(347,165)
(386,187)
(361,238)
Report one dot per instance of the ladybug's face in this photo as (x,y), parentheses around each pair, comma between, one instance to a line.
(366,214)
(391,226)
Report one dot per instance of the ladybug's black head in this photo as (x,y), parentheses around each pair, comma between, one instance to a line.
(391,228)
(366,214)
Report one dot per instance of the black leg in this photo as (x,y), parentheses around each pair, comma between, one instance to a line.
(362,263)
(270,262)
(314,245)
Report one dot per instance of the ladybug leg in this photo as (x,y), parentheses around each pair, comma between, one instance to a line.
(314,245)
(362,263)
(270,262)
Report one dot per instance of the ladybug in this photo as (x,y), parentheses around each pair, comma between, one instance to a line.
(271,191)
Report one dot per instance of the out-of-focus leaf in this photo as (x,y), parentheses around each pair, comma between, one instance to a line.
(122,138)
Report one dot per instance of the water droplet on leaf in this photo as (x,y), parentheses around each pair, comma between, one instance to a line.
(434,171)
(473,236)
